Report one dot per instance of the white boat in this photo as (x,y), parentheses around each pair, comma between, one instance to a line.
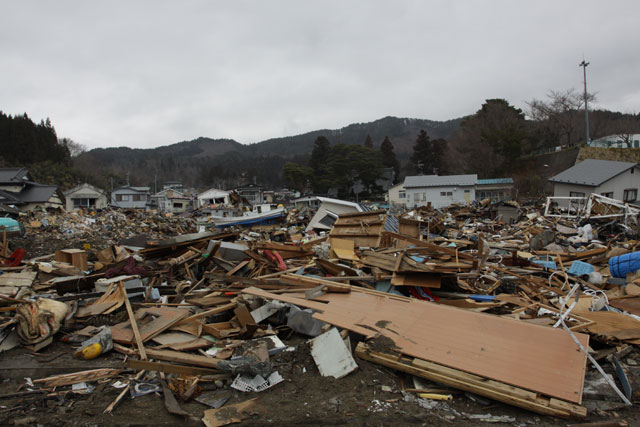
(260,214)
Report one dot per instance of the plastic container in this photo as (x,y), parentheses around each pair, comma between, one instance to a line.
(94,347)
(620,266)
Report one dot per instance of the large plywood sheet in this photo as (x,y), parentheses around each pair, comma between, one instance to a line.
(534,357)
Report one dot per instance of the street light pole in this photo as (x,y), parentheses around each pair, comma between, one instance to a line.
(584,64)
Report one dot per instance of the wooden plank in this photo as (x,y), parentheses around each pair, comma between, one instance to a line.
(21,279)
(221,309)
(237,268)
(534,357)
(428,280)
(169,368)
(77,377)
(167,317)
(134,324)
(180,357)
(475,384)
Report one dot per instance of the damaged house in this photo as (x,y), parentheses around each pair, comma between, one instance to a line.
(85,196)
(18,190)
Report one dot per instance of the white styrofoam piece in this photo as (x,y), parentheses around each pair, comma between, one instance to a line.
(257,383)
(331,355)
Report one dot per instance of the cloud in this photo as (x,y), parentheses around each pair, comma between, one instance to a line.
(150,73)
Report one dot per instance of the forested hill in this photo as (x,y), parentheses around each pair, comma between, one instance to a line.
(221,162)
(401,131)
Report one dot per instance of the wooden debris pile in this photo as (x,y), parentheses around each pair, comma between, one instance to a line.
(516,311)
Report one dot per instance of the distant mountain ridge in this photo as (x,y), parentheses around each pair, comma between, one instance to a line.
(205,162)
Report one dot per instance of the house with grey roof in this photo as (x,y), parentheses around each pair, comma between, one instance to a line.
(440,191)
(19,191)
(495,189)
(616,180)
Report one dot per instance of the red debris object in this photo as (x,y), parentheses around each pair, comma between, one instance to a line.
(276,258)
(16,257)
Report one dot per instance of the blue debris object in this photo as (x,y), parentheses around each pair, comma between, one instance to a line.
(482,298)
(579,268)
(619,266)
(550,264)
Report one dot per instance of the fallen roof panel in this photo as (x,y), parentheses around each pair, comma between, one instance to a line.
(534,357)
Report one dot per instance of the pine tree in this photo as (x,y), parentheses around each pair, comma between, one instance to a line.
(368,142)
(319,162)
(389,159)
(421,159)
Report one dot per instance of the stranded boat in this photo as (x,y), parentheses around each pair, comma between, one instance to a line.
(260,214)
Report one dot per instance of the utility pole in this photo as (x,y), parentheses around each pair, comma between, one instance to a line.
(584,64)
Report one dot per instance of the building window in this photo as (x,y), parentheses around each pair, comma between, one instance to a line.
(608,194)
(630,195)
(84,202)
(576,194)
(446,193)
(467,191)
(118,197)
(402,194)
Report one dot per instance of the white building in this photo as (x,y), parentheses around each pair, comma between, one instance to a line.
(440,191)
(171,200)
(85,196)
(616,180)
(397,195)
(213,196)
(617,141)
(131,197)
(311,202)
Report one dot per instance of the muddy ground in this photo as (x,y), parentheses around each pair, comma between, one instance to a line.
(304,397)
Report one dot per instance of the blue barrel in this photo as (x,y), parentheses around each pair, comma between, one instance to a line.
(620,266)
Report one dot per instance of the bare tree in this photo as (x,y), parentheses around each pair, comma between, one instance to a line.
(559,115)
(75,148)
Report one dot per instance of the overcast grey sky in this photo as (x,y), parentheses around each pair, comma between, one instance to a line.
(150,73)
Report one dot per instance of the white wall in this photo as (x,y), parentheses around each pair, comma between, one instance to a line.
(85,191)
(203,198)
(616,185)
(335,208)
(424,195)
(394,195)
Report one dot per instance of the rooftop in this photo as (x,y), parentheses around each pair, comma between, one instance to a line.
(493,181)
(439,181)
(592,172)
